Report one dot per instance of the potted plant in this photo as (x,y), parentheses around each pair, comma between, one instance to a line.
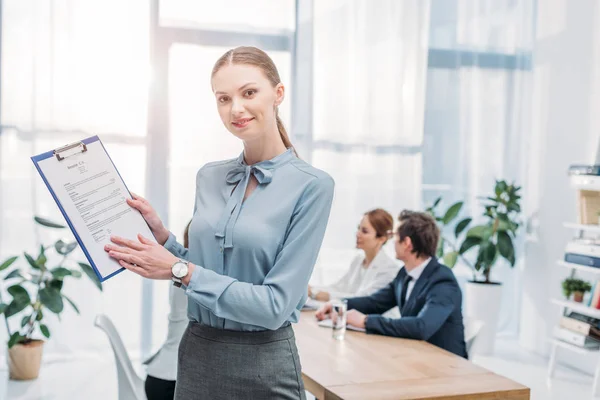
(576,286)
(35,291)
(481,247)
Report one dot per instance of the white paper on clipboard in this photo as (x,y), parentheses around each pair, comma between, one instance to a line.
(91,195)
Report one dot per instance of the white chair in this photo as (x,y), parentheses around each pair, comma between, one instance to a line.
(131,386)
(472,328)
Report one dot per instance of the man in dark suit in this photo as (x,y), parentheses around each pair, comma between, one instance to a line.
(426,292)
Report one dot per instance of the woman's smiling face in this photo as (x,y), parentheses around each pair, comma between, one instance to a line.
(246,100)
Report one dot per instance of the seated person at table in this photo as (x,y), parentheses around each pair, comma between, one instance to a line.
(371,270)
(425,290)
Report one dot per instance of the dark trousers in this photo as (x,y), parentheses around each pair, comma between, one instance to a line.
(159,389)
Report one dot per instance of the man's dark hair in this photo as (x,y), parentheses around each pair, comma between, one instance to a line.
(422,230)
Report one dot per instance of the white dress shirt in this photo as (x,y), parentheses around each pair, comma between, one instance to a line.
(163,364)
(415,274)
(361,281)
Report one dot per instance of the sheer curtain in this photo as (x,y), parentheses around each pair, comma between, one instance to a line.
(369,63)
(477,124)
(404,111)
(72,69)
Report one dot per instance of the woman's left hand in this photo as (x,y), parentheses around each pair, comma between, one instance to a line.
(146,258)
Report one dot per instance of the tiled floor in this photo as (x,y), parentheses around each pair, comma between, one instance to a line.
(530,370)
(93,377)
(88,377)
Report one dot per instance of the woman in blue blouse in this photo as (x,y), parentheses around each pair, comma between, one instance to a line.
(257,227)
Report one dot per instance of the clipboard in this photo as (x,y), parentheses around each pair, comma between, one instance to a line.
(85,166)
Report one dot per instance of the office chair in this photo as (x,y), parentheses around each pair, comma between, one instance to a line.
(472,328)
(131,386)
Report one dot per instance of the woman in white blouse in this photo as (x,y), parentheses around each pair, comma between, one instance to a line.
(369,271)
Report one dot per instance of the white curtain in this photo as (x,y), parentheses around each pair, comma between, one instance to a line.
(72,69)
(393,129)
(477,124)
(76,68)
(415,100)
(370,63)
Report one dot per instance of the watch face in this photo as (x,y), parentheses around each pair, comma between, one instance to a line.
(179,269)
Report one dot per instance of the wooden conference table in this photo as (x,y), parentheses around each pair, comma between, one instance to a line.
(377,367)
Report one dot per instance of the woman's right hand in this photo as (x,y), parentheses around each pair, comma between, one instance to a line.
(152,219)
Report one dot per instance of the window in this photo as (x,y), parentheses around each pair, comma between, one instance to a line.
(476,112)
(233,15)
(65,77)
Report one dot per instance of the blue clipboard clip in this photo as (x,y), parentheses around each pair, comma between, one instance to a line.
(69,150)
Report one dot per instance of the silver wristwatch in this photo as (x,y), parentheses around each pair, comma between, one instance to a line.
(179,270)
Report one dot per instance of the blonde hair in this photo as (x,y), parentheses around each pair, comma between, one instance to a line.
(258,58)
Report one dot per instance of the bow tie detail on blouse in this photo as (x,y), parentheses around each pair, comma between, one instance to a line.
(242,172)
(240,175)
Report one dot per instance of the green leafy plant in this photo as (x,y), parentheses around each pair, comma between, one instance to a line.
(36,288)
(572,285)
(491,239)
(448,246)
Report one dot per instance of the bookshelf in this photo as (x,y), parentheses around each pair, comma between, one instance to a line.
(576,349)
(580,308)
(586,182)
(578,267)
(588,204)
(583,227)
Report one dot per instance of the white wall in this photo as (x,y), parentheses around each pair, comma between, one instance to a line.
(566,128)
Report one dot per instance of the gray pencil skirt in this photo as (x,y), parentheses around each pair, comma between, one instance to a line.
(223,364)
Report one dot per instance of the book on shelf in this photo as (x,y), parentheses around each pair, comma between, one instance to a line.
(582,259)
(583,253)
(585,318)
(592,293)
(575,338)
(581,324)
(579,169)
(594,300)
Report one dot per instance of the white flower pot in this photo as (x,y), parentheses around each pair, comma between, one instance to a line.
(482,302)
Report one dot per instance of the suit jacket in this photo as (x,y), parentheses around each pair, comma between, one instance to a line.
(431,313)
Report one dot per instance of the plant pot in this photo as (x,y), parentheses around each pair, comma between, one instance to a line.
(24,360)
(578,297)
(482,302)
